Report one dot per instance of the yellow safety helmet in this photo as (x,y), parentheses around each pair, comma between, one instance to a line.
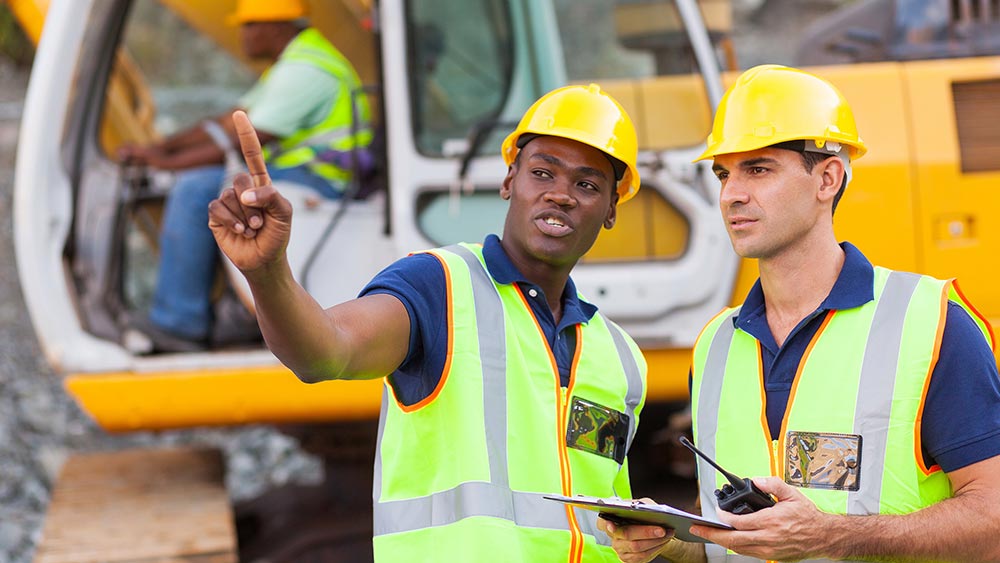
(587,115)
(772,104)
(267,11)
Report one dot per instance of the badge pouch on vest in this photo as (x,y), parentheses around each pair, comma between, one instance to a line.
(597,429)
(823,460)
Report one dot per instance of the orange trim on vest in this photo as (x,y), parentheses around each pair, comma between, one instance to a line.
(917,442)
(763,406)
(986,323)
(449,299)
(576,355)
(576,536)
(562,414)
(795,387)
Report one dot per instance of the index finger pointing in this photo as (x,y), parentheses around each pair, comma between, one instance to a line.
(250,145)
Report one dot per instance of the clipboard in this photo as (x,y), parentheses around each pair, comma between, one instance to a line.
(621,511)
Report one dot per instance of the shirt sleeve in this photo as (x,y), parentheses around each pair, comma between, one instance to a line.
(292,96)
(418,282)
(961,418)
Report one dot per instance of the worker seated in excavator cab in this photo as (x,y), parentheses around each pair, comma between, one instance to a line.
(314,122)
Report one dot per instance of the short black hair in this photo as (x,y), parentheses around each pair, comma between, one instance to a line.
(809,161)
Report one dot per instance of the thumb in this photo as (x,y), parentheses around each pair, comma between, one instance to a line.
(265,198)
(246,192)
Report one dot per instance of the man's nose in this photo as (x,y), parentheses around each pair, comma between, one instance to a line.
(733,191)
(560,193)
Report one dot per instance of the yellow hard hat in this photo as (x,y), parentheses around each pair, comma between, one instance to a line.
(590,116)
(771,104)
(267,11)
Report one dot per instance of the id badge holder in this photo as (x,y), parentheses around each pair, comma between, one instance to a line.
(597,429)
(822,460)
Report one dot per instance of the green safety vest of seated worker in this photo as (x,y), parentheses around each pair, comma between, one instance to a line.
(346,125)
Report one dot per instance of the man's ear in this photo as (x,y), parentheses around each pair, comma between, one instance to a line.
(609,221)
(505,187)
(831,172)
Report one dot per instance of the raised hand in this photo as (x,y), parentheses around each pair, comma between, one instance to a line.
(251,221)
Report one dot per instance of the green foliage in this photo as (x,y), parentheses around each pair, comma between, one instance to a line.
(14,44)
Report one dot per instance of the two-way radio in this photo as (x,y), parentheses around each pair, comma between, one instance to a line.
(740,496)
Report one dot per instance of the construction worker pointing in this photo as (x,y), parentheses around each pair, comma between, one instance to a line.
(487,349)
(868,398)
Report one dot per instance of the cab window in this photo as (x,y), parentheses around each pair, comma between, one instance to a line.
(459,74)
(168,74)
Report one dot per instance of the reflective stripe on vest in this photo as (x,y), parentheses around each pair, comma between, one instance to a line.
(485,509)
(334,132)
(875,393)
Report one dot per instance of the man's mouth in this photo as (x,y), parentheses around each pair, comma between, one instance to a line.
(553,226)
(737,222)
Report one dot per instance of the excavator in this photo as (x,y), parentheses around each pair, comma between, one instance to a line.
(447,80)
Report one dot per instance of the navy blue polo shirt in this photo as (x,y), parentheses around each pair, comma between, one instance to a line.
(418,282)
(961,417)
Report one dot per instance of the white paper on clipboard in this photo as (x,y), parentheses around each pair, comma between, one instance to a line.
(635,512)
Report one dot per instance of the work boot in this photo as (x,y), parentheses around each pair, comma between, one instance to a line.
(143,336)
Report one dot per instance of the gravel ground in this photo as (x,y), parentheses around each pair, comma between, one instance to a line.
(40,424)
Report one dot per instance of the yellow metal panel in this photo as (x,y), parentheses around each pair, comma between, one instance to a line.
(960,236)
(746,276)
(126,402)
(668,374)
(878,210)
(31,15)
(668,111)
(178,399)
(647,228)
(677,111)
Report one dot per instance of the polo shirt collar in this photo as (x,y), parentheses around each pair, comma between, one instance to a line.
(504,271)
(854,287)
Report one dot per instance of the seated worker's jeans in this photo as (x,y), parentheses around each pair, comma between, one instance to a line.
(188,253)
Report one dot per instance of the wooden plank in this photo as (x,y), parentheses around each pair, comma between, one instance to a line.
(162,506)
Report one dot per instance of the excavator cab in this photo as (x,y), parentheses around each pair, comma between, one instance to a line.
(447,80)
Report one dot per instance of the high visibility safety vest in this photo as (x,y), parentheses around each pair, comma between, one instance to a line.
(347,124)
(860,383)
(460,476)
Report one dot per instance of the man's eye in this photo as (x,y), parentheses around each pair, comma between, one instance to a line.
(541,173)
